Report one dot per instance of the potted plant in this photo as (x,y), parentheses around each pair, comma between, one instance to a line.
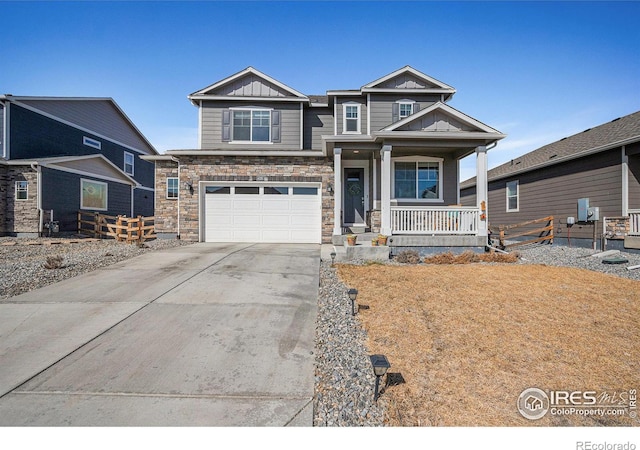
(351,239)
(382,239)
(374,242)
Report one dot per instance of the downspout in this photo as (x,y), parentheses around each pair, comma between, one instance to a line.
(38,171)
(176,160)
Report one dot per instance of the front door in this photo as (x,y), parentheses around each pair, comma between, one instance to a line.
(353,196)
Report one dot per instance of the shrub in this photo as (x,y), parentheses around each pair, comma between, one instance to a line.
(408,257)
(54,262)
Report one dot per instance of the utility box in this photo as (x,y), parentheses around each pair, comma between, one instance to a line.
(593,214)
(583,206)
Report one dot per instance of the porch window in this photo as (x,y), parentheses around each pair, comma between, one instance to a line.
(513,204)
(351,118)
(252,125)
(418,180)
(22,190)
(172,187)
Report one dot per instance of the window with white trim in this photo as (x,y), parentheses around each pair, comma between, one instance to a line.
(405,109)
(93,195)
(252,125)
(128,163)
(22,190)
(418,179)
(513,202)
(172,187)
(91,142)
(351,114)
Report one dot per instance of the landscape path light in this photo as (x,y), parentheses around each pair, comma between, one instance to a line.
(333,258)
(380,365)
(353,294)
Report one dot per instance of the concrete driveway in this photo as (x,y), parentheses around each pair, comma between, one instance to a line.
(200,335)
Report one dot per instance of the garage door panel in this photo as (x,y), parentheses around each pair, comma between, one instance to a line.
(283,218)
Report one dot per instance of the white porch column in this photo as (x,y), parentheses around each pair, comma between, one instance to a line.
(337,191)
(482,189)
(385,190)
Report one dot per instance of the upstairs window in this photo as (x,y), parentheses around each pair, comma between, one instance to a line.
(252,125)
(405,110)
(351,118)
(513,204)
(22,190)
(128,163)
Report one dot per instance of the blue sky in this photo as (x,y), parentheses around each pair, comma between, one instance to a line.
(537,71)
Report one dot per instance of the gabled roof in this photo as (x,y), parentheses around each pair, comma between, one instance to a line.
(98,115)
(441,117)
(408,78)
(618,132)
(91,165)
(249,83)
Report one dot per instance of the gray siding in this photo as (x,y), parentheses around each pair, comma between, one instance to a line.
(98,115)
(381,107)
(468,196)
(317,122)
(555,190)
(1,129)
(212,124)
(634,181)
(363,112)
(251,86)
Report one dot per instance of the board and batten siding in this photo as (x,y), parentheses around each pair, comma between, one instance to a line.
(318,122)
(211,126)
(633,153)
(555,190)
(340,101)
(2,130)
(381,107)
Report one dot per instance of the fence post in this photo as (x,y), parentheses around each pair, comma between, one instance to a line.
(140,229)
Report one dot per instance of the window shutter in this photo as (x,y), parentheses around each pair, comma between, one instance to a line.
(416,108)
(275,126)
(226,125)
(395,112)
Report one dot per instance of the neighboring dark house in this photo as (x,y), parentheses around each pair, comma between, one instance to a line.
(601,164)
(276,165)
(59,155)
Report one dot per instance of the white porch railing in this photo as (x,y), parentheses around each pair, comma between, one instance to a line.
(634,222)
(443,220)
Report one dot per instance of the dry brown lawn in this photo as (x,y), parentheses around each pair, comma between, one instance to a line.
(468,339)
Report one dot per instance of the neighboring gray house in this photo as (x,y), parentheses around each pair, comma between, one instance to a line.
(277,165)
(601,164)
(59,155)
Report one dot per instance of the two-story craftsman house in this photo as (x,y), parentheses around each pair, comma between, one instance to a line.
(276,165)
(61,155)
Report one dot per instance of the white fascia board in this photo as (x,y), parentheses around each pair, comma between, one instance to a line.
(303,153)
(412,71)
(409,91)
(157,158)
(351,93)
(249,70)
(429,135)
(77,127)
(193,98)
(447,109)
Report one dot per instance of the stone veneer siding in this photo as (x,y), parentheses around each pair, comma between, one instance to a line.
(230,168)
(18,216)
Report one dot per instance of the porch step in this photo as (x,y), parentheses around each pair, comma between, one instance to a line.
(362,238)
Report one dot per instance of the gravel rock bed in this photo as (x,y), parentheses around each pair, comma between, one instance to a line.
(22,269)
(344,382)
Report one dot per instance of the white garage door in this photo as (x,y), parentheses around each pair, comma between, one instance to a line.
(263,213)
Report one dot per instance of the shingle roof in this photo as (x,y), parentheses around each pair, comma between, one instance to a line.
(600,138)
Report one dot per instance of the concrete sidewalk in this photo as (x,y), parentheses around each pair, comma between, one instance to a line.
(207,334)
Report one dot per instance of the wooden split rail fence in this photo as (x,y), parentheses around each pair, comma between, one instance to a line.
(513,231)
(121,228)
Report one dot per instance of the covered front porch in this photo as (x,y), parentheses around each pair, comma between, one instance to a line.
(409,193)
